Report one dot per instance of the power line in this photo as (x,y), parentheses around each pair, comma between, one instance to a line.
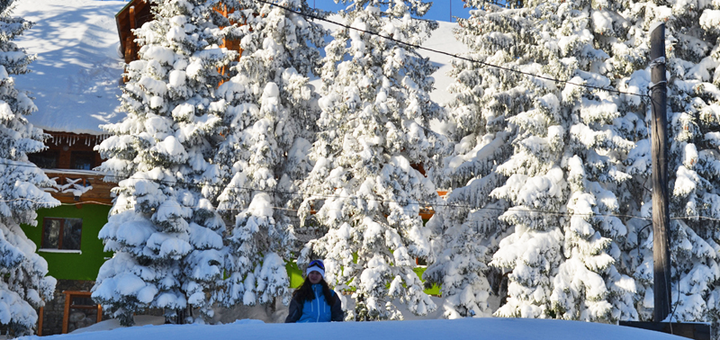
(312,16)
(525,211)
(306,195)
(423,205)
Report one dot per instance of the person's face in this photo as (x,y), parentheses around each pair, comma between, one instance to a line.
(314,277)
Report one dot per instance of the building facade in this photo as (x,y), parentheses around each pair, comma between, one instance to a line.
(67,236)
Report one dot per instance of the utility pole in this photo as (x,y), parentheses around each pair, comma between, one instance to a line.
(660,210)
(660,214)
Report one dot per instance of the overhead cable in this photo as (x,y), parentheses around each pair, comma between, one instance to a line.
(315,17)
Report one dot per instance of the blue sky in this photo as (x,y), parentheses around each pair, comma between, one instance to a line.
(441,9)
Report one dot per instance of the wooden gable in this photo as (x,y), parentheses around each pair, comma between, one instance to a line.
(138,12)
(132,16)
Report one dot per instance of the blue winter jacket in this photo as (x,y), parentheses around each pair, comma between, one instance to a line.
(316,310)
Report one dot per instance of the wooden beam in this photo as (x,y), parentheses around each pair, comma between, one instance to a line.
(133,23)
(41,312)
(66,313)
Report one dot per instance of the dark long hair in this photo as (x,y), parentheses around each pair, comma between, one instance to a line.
(305,293)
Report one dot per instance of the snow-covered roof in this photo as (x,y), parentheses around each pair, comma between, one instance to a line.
(76,77)
(442,39)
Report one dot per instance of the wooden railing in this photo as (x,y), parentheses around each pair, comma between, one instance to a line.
(80,186)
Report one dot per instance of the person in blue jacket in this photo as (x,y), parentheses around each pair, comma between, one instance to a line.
(314,301)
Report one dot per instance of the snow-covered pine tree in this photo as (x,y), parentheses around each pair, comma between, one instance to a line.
(693,65)
(271,118)
(24,283)
(467,223)
(373,127)
(165,233)
(563,175)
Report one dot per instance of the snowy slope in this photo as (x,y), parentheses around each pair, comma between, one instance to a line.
(75,80)
(476,329)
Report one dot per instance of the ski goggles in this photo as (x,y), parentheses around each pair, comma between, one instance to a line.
(317,263)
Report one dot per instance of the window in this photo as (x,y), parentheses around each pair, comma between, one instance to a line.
(82,160)
(45,159)
(61,233)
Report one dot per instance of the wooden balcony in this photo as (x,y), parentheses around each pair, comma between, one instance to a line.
(80,186)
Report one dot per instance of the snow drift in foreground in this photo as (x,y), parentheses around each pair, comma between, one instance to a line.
(479,328)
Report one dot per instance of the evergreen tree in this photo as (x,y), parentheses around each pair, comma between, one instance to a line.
(693,56)
(24,283)
(563,176)
(163,227)
(467,225)
(579,266)
(567,161)
(271,118)
(373,128)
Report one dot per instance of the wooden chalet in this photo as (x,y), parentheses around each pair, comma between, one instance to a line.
(67,236)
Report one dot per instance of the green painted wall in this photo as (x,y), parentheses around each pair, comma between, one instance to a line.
(73,266)
(295,274)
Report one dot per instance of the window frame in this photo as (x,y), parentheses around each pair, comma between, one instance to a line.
(61,235)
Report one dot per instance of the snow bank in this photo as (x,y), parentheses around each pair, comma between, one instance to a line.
(479,328)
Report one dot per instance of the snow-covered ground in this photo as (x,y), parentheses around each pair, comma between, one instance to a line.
(479,328)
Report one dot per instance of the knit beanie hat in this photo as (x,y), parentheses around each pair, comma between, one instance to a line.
(316,266)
